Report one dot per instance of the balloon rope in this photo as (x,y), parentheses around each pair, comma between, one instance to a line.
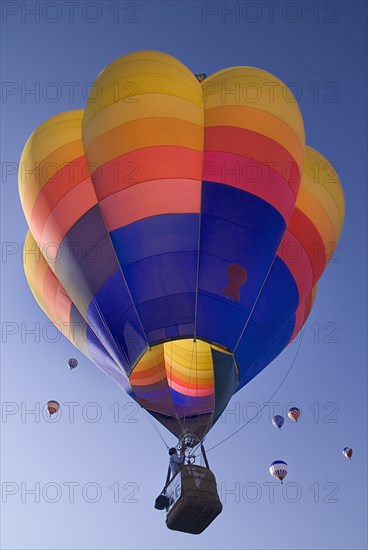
(256,300)
(198,258)
(126,282)
(156,428)
(270,344)
(113,339)
(257,413)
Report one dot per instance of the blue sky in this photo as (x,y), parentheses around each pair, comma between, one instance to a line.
(56,51)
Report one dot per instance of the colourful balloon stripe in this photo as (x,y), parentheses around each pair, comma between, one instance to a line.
(303,311)
(151,198)
(298,262)
(306,262)
(142,133)
(71,233)
(55,144)
(276,183)
(139,73)
(58,188)
(56,304)
(256,89)
(148,164)
(310,240)
(260,122)
(165,153)
(248,175)
(259,149)
(144,106)
(181,376)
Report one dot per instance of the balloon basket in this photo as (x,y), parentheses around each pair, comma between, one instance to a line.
(193,500)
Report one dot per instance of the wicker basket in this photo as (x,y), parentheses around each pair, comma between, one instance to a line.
(194,501)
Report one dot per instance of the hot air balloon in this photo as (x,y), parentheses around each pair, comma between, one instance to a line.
(278,421)
(294,414)
(184,222)
(72,363)
(279,469)
(347,452)
(52,407)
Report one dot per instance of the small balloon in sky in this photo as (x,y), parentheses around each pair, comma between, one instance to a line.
(347,452)
(294,414)
(72,363)
(279,469)
(278,421)
(201,76)
(52,407)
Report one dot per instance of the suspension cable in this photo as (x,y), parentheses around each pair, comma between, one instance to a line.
(156,428)
(257,413)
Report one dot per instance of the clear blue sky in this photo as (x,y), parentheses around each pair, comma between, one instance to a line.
(318,46)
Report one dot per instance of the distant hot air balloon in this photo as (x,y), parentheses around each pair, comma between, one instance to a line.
(52,407)
(278,421)
(279,469)
(294,414)
(72,363)
(347,452)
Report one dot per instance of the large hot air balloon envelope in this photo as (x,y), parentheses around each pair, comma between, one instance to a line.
(177,230)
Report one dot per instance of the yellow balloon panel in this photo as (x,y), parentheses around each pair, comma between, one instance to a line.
(146,72)
(144,106)
(50,148)
(323,172)
(255,88)
(321,196)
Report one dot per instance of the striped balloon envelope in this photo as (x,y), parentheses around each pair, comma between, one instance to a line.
(177,230)
(72,363)
(294,414)
(279,470)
